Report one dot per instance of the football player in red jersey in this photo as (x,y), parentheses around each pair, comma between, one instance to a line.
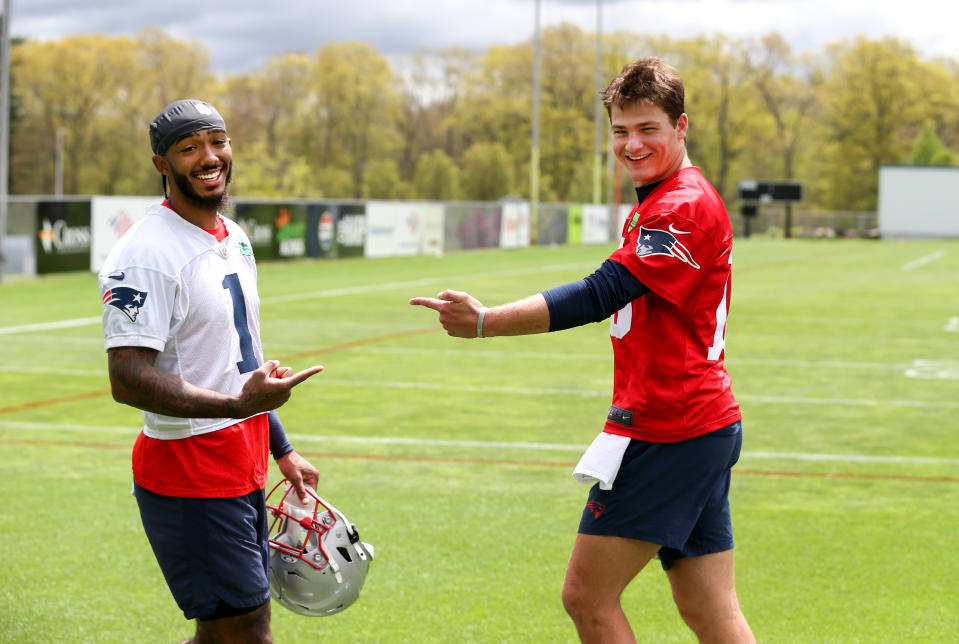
(661,466)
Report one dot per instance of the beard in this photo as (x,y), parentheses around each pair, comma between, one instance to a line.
(191,195)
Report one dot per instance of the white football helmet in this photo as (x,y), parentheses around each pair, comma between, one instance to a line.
(317,562)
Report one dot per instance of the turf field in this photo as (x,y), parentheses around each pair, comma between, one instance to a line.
(454,457)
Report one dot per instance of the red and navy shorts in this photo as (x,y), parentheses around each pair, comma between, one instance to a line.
(675,495)
(214,553)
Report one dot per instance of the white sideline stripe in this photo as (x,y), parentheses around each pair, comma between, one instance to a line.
(332,292)
(856,402)
(438,386)
(377,288)
(552,391)
(543,355)
(99,373)
(547,355)
(495,445)
(922,261)
(606,393)
(46,326)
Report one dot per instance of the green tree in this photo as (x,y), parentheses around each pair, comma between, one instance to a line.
(928,148)
(436,177)
(494,106)
(270,105)
(722,112)
(434,87)
(102,92)
(356,111)
(787,85)
(873,97)
(383,181)
(279,174)
(487,172)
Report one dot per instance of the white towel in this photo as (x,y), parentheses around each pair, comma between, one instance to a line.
(601,460)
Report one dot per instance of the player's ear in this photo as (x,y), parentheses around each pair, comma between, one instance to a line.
(159,162)
(682,125)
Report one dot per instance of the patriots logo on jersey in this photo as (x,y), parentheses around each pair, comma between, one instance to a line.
(129,300)
(661,242)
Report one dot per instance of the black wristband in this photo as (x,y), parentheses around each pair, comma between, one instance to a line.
(279,445)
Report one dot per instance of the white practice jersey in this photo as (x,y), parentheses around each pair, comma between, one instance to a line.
(169,285)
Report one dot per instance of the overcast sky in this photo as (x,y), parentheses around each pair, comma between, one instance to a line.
(242,34)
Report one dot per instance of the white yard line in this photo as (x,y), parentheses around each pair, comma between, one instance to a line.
(608,357)
(606,393)
(922,261)
(449,281)
(332,292)
(47,326)
(327,381)
(131,432)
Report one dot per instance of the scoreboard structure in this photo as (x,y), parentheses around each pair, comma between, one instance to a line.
(753,192)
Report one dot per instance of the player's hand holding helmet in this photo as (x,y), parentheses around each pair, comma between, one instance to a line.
(317,562)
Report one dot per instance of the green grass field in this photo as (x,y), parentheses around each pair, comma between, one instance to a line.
(454,457)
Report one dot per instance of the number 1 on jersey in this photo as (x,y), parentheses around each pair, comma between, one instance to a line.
(232,283)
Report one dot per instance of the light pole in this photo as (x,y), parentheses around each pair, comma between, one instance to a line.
(4,123)
(598,111)
(58,163)
(534,146)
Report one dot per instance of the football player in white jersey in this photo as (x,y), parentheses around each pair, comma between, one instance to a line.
(182,334)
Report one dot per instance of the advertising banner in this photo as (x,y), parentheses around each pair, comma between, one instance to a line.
(552,223)
(622,212)
(289,231)
(431,239)
(514,225)
(396,228)
(286,224)
(110,218)
(63,236)
(350,230)
(596,224)
(471,225)
(256,220)
(321,230)
(574,225)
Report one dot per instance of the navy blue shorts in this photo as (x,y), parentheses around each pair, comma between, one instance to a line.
(675,495)
(214,553)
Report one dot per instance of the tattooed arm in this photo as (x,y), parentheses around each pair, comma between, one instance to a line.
(135,381)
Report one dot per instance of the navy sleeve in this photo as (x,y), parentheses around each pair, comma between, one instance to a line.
(593,298)
(279,445)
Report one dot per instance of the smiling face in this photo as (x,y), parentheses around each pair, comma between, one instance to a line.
(646,141)
(199,165)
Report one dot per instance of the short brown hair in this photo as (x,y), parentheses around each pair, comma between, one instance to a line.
(647,79)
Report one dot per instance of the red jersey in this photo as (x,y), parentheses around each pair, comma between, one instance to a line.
(229,462)
(669,381)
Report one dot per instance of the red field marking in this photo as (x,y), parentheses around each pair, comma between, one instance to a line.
(360,343)
(490,461)
(54,401)
(288,358)
(846,475)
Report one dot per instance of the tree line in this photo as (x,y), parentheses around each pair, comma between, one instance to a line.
(455,124)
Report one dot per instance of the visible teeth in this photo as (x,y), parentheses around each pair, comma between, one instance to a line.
(209,175)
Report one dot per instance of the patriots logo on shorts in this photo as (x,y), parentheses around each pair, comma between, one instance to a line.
(596,508)
(129,300)
(660,242)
